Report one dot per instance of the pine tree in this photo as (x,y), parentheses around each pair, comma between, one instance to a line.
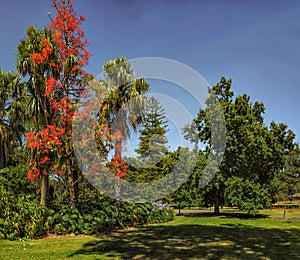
(153,141)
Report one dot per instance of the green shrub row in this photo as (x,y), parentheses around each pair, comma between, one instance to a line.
(23,217)
(105,218)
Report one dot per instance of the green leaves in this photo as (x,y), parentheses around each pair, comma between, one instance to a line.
(247,195)
(20,216)
(254,153)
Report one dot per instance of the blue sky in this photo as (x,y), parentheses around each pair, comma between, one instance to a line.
(256,43)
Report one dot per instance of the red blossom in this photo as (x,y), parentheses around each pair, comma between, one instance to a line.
(45,160)
(50,86)
(36,58)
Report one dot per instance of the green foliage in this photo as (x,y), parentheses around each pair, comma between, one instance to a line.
(188,194)
(125,96)
(15,179)
(160,212)
(153,142)
(254,152)
(12,116)
(247,194)
(152,148)
(20,216)
(97,213)
(288,180)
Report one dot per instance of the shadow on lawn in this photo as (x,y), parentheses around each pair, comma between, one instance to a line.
(197,241)
(240,215)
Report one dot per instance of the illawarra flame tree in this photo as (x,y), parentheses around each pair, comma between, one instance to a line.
(52,143)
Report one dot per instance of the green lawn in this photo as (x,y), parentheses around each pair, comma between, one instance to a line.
(187,237)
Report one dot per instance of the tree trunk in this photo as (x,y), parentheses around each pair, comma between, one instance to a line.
(73,186)
(117,179)
(2,153)
(217,202)
(44,189)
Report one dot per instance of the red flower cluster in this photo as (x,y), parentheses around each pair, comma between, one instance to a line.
(44,143)
(66,26)
(45,52)
(36,58)
(50,86)
(118,166)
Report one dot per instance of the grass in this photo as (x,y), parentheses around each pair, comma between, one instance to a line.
(187,237)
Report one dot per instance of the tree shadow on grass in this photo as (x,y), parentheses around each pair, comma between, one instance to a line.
(228,241)
(205,214)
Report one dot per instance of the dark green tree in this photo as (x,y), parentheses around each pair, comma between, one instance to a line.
(152,147)
(13,117)
(153,141)
(254,153)
(289,179)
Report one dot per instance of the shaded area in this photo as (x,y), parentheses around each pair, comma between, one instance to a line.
(209,214)
(228,241)
(277,214)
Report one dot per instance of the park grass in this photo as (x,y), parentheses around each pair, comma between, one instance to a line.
(186,237)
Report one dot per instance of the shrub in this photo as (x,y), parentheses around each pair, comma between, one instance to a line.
(160,212)
(98,214)
(20,216)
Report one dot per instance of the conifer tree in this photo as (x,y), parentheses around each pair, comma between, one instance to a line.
(153,147)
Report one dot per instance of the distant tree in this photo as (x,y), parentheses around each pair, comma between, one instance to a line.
(288,180)
(189,194)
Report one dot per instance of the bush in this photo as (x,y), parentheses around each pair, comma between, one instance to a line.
(15,179)
(97,213)
(160,212)
(20,216)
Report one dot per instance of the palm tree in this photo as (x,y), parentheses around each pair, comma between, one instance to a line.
(124,103)
(4,126)
(125,96)
(38,105)
(12,116)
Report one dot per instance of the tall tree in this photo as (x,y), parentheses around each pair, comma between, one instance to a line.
(36,59)
(152,147)
(55,64)
(153,141)
(12,115)
(5,150)
(123,106)
(254,152)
